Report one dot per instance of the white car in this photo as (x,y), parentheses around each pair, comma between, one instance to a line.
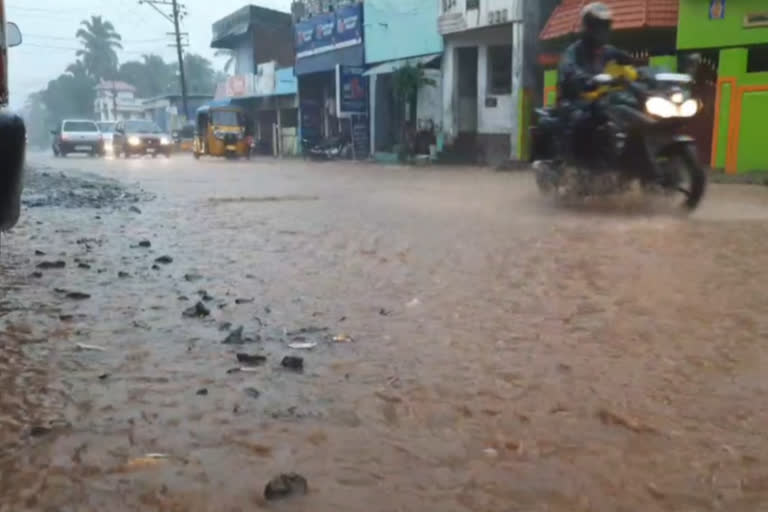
(78,136)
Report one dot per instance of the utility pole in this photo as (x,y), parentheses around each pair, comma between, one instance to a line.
(176,14)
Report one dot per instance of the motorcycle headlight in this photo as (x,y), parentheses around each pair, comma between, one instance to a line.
(165,141)
(661,107)
(689,108)
(134,140)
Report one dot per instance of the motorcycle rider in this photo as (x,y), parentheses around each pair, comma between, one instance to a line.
(589,55)
(580,63)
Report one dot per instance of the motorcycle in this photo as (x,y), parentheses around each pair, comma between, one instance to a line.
(638,116)
(331,148)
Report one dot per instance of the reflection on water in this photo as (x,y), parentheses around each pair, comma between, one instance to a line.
(506,355)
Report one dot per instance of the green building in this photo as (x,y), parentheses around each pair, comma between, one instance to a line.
(736,31)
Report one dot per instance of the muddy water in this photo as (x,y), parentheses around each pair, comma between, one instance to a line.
(507,355)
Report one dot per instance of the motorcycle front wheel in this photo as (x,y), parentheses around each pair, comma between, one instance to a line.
(682,176)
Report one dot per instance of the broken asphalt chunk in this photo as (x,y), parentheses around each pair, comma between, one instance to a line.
(78,295)
(286,485)
(46,265)
(197,311)
(252,392)
(293,363)
(253,360)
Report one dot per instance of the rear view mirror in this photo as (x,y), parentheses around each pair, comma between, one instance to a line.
(12,34)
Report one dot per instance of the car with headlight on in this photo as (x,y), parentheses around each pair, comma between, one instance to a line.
(140,137)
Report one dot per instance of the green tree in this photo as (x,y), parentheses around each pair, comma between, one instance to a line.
(70,95)
(406,83)
(36,118)
(100,43)
(151,76)
(200,75)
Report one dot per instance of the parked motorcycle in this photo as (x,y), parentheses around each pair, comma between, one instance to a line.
(331,148)
(639,115)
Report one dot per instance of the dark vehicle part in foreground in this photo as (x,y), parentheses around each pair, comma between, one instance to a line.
(140,137)
(638,120)
(331,148)
(12,136)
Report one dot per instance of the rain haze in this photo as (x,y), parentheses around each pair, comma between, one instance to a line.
(50,43)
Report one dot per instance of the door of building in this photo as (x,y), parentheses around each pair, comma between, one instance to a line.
(701,126)
(467,89)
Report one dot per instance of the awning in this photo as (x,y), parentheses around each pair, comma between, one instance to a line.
(224,102)
(394,65)
(350,56)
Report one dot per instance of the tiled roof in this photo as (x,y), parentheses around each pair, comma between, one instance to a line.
(627,14)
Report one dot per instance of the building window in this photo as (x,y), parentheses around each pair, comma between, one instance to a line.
(448,5)
(500,69)
(473,4)
(757,59)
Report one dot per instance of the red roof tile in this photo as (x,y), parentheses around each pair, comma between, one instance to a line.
(627,14)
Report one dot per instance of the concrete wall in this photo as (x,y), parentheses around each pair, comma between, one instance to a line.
(697,30)
(430,99)
(490,120)
(458,18)
(244,57)
(739,141)
(396,29)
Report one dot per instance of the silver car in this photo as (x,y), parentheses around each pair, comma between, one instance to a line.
(78,136)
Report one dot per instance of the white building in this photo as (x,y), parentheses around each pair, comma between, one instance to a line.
(490,75)
(117,100)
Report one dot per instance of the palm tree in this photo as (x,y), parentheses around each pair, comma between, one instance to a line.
(230,55)
(78,70)
(100,43)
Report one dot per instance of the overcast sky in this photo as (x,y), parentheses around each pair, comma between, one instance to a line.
(49,34)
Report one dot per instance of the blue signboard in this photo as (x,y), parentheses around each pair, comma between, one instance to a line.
(349,26)
(330,31)
(351,90)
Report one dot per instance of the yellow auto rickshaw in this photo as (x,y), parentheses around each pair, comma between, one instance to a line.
(221,131)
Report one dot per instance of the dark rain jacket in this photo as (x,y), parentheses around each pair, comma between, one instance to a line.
(579,64)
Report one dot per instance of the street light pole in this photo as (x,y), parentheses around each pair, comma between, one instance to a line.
(174,19)
(182,76)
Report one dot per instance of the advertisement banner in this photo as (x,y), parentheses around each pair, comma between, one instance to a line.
(330,31)
(349,26)
(305,36)
(351,91)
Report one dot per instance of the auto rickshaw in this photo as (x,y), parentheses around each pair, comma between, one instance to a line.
(220,131)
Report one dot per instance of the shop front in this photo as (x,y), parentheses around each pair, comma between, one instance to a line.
(329,67)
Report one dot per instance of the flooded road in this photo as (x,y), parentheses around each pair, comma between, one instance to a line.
(472,347)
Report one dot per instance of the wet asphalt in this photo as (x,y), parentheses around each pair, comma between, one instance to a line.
(176,333)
